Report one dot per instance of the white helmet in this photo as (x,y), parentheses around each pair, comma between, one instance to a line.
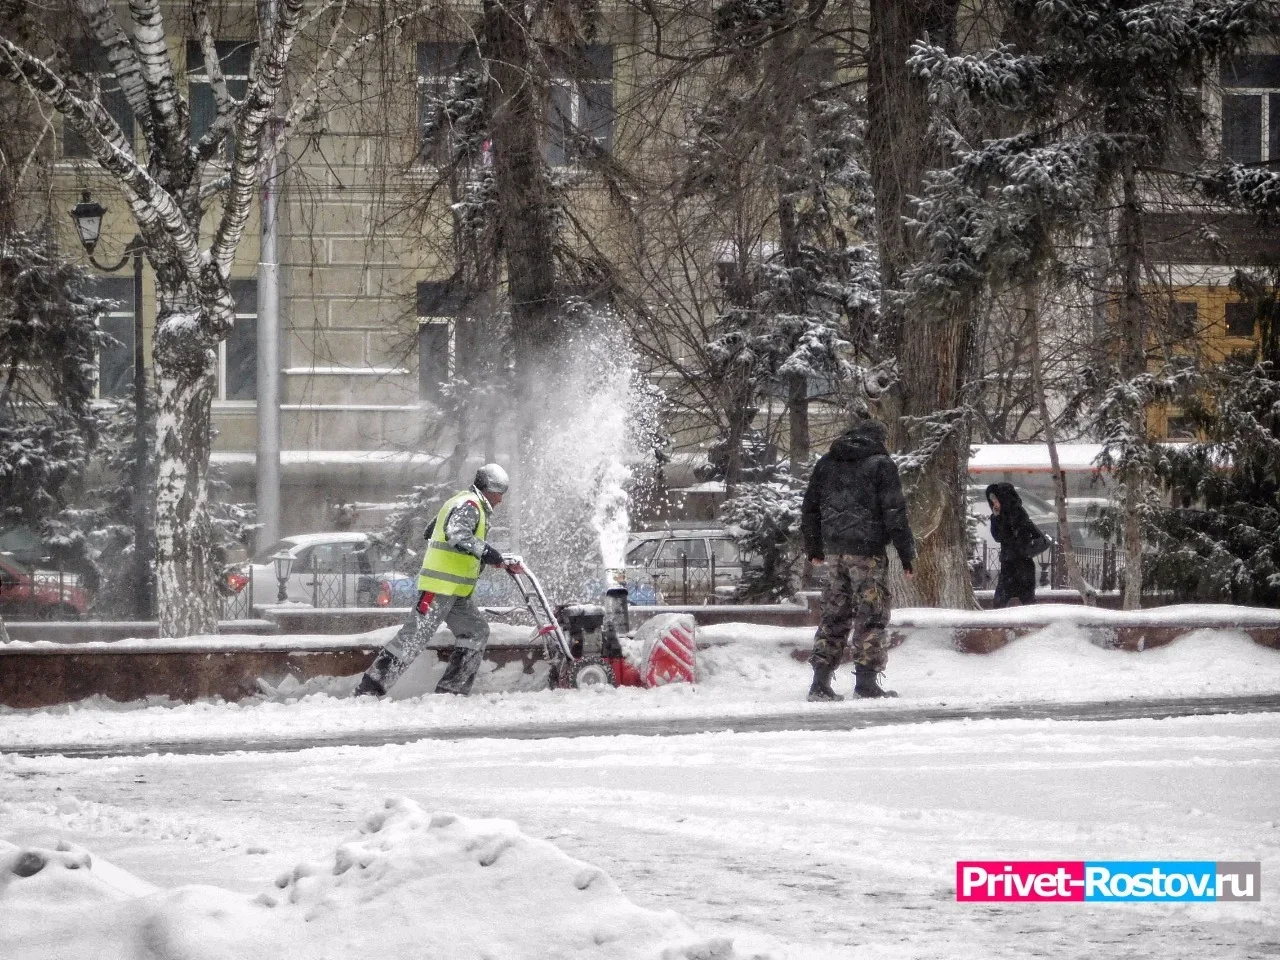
(491,478)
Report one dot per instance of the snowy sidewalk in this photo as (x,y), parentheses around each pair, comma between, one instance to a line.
(746,672)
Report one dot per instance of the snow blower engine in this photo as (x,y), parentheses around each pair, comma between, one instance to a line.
(590,644)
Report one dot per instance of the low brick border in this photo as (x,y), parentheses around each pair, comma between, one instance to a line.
(57,673)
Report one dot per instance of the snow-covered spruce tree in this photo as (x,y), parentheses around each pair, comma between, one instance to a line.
(49,341)
(776,159)
(105,522)
(1221,538)
(179,184)
(764,520)
(1094,99)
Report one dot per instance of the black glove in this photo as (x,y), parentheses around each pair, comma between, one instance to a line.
(491,556)
(906,566)
(817,558)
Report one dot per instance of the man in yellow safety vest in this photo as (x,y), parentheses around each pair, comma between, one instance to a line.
(456,552)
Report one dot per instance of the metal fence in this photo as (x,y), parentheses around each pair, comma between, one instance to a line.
(238,606)
(1101,567)
(685,581)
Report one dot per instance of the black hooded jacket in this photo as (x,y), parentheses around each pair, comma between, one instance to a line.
(1012,528)
(854,503)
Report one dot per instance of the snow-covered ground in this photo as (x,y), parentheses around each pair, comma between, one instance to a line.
(778,845)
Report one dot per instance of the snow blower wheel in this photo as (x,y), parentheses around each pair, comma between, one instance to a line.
(590,672)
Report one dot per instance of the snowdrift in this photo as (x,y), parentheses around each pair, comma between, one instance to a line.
(406,884)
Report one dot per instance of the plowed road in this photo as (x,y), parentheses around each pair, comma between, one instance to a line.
(840,716)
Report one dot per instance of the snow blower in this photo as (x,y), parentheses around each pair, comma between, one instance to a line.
(591,644)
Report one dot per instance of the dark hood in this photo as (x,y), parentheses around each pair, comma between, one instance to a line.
(1006,493)
(864,439)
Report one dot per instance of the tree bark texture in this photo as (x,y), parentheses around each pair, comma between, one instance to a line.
(185,385)
(932,346)
(527,209)
(1132,364)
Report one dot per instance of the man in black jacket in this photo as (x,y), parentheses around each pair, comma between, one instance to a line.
(853,508)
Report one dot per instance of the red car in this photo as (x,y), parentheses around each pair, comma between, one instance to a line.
(27,594)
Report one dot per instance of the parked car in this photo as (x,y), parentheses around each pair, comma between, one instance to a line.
(328,570)
(30,593)
(685,565)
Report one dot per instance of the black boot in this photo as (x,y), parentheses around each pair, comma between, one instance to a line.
(374,681)
(461,672)
(866,684)
(820,690)
(369,687)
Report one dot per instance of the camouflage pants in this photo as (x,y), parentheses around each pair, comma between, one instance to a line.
(470,634)
(856,598)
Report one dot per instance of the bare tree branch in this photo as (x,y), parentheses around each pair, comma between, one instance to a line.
(121,56)
(152,206)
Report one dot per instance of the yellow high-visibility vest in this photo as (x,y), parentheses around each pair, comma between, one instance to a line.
(445,570)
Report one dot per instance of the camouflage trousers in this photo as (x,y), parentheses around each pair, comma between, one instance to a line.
(470,636)
(855,600)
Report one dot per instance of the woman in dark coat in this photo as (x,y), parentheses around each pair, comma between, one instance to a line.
(1020,540)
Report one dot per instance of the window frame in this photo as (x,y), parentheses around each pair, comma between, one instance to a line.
(244,284)
(1242,306)
(112,99)
(451,58)
(197,77)
(558,148)
(444,304)
(1253,88)
(128,311)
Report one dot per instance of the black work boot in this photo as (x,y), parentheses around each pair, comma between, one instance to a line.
(820,690)
(461,672)
(866,684)
(374,681)
(369,687)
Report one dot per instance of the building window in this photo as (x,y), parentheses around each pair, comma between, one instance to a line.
(580,112)
(236,58)
(1240,319)
(115,360)
(111,97)
(444,72)
(1251,108)
(1180,427)
(238,354)
(1184,319)
(448,338)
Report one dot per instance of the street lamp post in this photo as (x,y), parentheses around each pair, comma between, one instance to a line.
(87,215)
(284,563)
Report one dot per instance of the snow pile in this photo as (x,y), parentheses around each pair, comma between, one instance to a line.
(407,884)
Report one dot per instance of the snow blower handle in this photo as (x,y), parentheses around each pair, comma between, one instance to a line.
(513,563)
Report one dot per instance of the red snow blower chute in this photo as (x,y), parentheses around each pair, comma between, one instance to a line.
(590,644)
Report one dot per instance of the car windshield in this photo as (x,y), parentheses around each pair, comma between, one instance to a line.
(12,567)
(265,555)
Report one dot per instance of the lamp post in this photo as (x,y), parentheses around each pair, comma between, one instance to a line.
(87,216)
(284,563)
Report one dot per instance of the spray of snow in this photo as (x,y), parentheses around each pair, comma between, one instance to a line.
(592,434)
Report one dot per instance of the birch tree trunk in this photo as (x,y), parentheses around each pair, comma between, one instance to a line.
(166,191)
(1031,304)
(186,383)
